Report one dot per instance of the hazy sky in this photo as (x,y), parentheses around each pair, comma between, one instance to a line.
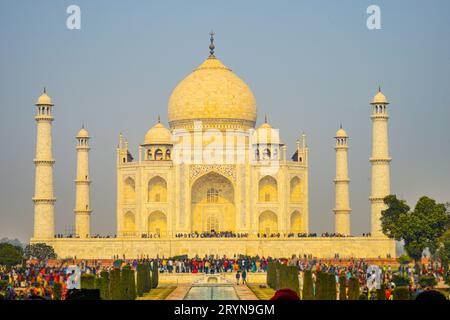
(311,65)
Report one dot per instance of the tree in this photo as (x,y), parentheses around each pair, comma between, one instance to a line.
(102,283)
(132,285)
(57,291)
(40,251)
(332,294)
(147,278)
(87,281)
(444,252)
(308,293)
(292,275)
(115,285)
(420,228)
(155,274)
(353,289)
(10,255)
(318,286)
(140,281)
(342,288)
(426,281)
(128,284)
(401,280)
(401,293)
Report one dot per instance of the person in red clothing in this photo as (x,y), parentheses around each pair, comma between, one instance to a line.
(285,294)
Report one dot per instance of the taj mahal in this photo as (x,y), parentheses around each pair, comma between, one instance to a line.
(212,170)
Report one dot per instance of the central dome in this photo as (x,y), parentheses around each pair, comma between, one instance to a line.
(213,94)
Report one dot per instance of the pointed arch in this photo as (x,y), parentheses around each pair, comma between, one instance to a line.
(129,224)
(296,222)
(212,203)
(129,190)
(268,222)
(268,189)
(157,224)
(157,190)
(296,191)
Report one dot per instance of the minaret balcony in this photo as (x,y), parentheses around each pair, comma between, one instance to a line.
(44,118)
(44,200)
(44,161)
(380,160)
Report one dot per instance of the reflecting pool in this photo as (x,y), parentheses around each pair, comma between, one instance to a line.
(212,292)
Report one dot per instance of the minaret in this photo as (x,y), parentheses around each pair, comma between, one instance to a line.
(380,160)
(82,184)
(44,199)
(342,208)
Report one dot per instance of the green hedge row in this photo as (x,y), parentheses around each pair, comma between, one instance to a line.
(281,276)
(144,280)
(119,284)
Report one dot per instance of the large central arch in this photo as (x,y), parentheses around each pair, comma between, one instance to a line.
(212,204)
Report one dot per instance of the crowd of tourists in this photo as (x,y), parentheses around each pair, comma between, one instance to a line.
(72,235)
(212,234)
(35,280)
(222,234)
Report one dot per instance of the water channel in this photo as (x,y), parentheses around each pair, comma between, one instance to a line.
(212,288)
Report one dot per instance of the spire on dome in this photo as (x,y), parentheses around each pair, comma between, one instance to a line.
(159,118)
(211,46)
(265,118)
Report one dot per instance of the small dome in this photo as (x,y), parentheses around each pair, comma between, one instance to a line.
(159,134)
(45,100)
(379,98)
(266,134)
(83,133)
(341,133)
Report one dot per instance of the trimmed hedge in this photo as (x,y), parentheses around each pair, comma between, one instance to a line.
(317,285)
(128,283)
(57,291)
(427,281)
(147,278)
(104,289)
(381,295)
(102,283)
(332,294)
(342,288)
(292,279)
(140,270)
(308,291)
(353,289)
(87,281)
(401,293)
(115,287)
(281,276)
(155,274)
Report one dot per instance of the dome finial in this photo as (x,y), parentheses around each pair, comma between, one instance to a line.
(379,88)
(211,46)
(341,126)
(265,118)
(159,118)
(45,89)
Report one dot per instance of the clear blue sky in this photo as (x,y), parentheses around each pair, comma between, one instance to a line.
(311,65)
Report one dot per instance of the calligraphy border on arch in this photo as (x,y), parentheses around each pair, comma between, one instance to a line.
(226,170)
